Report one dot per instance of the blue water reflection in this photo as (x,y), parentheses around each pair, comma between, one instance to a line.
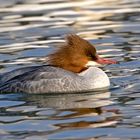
(31,29)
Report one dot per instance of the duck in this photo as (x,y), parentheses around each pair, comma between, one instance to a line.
(73,67)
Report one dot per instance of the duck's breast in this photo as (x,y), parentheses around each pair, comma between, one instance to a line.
(95,78)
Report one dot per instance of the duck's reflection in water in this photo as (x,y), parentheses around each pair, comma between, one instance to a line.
(74,111)
(71,101)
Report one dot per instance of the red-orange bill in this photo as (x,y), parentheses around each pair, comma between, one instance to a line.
(105,61)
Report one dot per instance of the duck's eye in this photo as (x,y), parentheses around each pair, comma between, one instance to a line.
(92,57)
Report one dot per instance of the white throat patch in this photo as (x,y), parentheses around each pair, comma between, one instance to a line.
(92,64)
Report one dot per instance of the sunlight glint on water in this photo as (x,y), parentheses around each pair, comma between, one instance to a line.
(31,29)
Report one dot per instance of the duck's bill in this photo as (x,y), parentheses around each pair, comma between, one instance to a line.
(105,61)
(99,62)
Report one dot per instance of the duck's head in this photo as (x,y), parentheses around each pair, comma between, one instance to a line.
(77,55)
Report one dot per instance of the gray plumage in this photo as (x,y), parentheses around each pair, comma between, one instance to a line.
(49,79)
(44,79)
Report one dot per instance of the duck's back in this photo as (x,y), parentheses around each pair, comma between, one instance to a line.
(9,75)
(40,79)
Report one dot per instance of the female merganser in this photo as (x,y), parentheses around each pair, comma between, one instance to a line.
(71,69)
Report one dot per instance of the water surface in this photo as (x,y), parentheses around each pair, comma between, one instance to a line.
(31,29)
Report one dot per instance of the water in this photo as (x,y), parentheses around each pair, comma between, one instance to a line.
(31,29)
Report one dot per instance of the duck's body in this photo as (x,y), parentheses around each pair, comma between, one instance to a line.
(67,72)
(49,79)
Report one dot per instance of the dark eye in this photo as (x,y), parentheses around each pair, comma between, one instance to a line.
(92,57)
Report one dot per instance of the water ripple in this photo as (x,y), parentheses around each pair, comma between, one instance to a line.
(31,29)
